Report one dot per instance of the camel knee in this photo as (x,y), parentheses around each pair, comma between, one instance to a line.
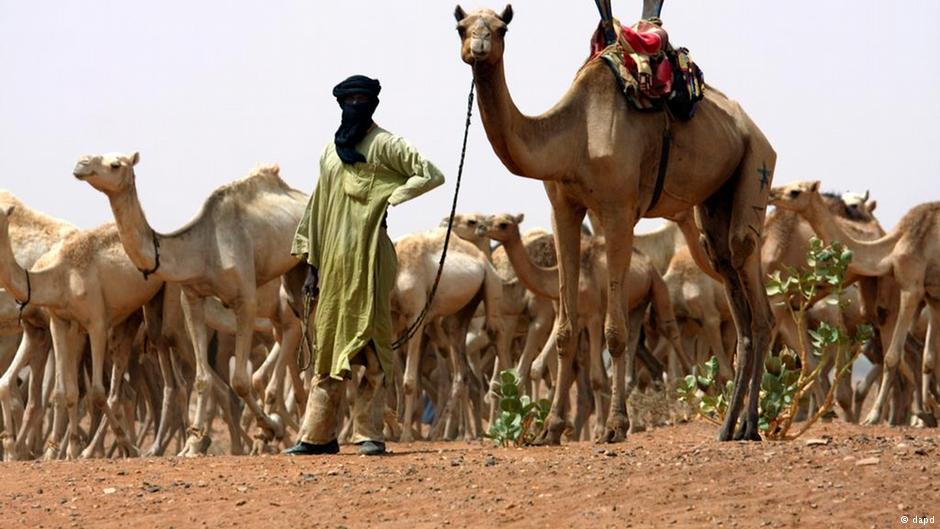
(201,384)
(241,386)
(742,245)
(564,339)
(616,341)
(6,389)
(98,396)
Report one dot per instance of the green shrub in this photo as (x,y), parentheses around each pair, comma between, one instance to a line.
(520,420)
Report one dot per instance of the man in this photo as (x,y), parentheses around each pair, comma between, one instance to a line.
(352,265)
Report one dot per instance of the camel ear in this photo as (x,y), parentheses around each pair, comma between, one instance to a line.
(871,205)
(135,158)
(459,13)
(519,218)
(814,186)
(506,15)
(9,210)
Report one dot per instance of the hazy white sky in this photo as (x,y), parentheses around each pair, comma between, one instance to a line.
(846,90)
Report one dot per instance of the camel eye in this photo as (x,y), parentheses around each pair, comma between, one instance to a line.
(503,225)
(115,165)
(794,193)
(471,222)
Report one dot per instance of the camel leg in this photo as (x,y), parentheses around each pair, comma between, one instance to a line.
(197,441)
(598,376)
(98,335)
(410,385)
(245,311)
(618,227)
(68,342)
(535,338)
(32,415)
(31,347)
(910,300)
(931,359)
(504,335)
(169,416)
(566,220)
(733,219)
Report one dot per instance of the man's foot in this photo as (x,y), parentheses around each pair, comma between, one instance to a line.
(371,448)
(310,449)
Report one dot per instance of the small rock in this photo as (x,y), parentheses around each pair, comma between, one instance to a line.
(919,451)
(307,478)
(489,461)
(528,460)
(456,462)
(109,490)
(239,503)
(868,461)
(817,442)
(610,453)
(241,488)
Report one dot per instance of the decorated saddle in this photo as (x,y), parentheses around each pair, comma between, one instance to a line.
(651,73)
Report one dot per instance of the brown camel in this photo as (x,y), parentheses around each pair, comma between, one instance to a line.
(240,240)
(594,152)
(910,254)
(88,286)
(644,286)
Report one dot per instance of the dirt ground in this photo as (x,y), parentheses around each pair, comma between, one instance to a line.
(675,476)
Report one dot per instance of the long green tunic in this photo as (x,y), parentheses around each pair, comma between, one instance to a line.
(341,234)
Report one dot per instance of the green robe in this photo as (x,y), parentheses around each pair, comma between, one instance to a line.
(341,234)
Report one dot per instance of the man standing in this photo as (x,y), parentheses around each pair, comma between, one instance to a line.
(352,264)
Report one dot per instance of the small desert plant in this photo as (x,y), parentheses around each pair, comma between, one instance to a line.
(520,419)
(787,379)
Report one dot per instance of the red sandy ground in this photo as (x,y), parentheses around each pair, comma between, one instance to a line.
(675,476)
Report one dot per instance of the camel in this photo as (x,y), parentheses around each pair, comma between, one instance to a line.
(238,241)
(909,254)
(467,278)
(87,285)
(471,227)
(33,234)
(594,152)
(644,286)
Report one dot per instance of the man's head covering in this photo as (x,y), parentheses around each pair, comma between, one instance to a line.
(357,116)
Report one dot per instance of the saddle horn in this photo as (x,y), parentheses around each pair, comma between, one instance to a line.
(652,9)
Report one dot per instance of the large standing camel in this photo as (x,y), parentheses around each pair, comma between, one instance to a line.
(644,286)
(594,152)
(239,240)
(87,285)
(910,254)
(32,234)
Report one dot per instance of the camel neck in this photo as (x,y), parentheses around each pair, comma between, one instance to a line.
(541,281)
(40,289)
(869,258)
(532,147)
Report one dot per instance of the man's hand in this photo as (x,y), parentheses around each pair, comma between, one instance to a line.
(311,287)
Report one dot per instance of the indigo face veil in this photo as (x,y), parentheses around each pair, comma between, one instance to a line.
(357,115)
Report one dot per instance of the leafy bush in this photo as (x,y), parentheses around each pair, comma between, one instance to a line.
(520,420)
(787,379)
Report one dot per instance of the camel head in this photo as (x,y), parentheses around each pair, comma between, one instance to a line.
(797,196)
(108,173)
(859,206)
(482,34)
(468,226)
(504,227)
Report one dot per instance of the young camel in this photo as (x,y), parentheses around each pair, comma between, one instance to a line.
(88,286)
(644,286)
(910,254)
(467,278)
(239,240)
(32,234)
(594,152)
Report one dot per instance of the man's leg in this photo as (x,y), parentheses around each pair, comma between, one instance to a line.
(368,412)
(318,431)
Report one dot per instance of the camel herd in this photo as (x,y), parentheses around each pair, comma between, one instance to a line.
(204,323)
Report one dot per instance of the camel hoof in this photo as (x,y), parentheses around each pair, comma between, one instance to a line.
(923,420)
(726,433)
(196,445)
(278,426)
(551,434)
(747,432)
(872,419)
(616,430)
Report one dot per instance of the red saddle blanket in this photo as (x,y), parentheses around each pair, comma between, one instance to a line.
(651,73)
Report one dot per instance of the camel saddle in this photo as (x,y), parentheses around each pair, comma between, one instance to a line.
(651,73)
